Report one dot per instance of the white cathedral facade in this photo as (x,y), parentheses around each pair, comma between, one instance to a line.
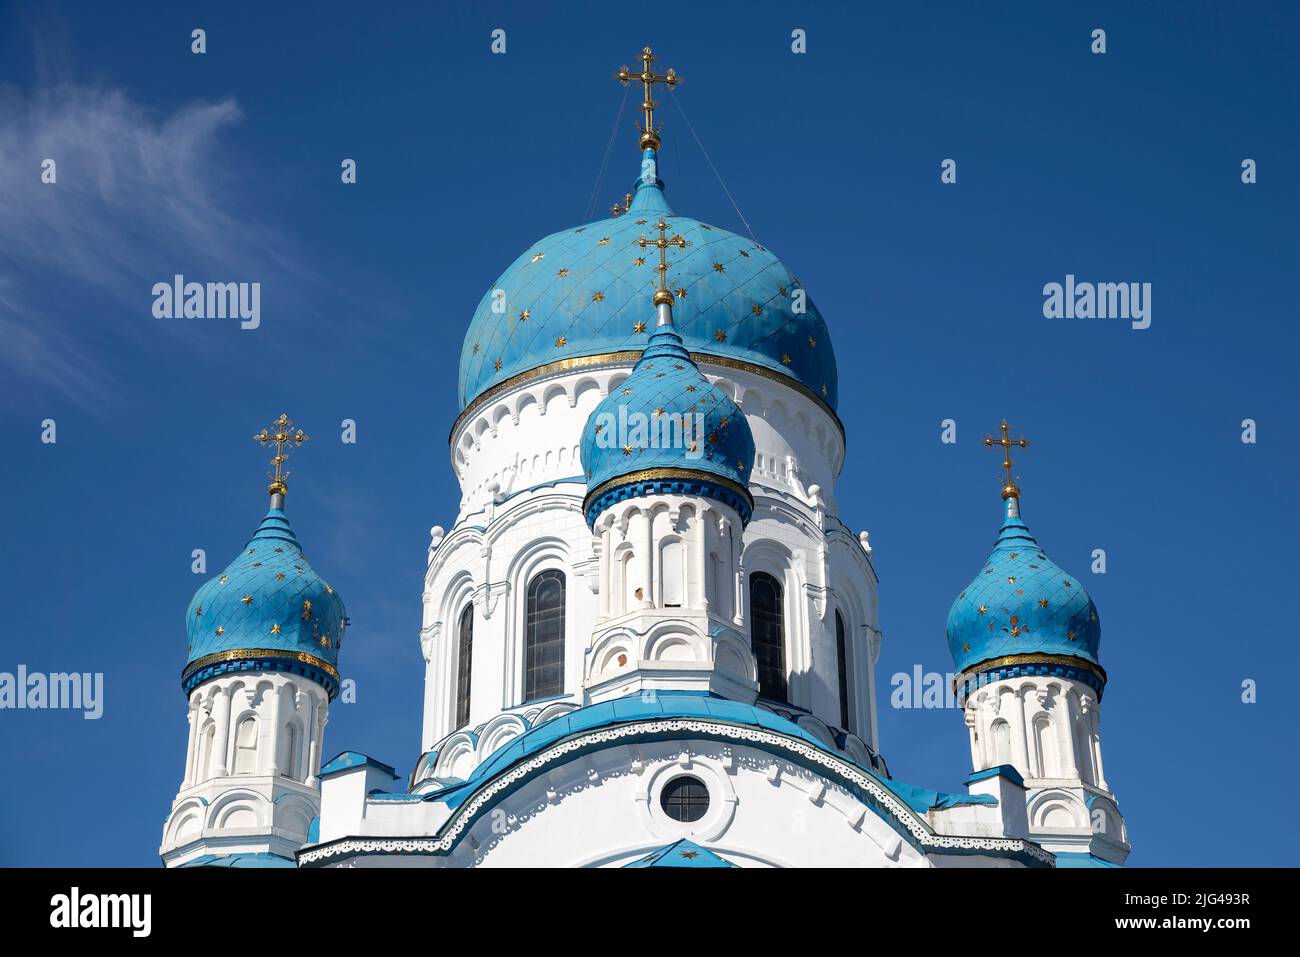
(649,640)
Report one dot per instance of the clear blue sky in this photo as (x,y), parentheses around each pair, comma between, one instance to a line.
(1122,167)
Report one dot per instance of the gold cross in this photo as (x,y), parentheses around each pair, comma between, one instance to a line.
(662,295)
(1006,442)
(281,433)
(649,134)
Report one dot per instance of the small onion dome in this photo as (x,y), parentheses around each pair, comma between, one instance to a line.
(267,611)
(667,430)
(1022,612)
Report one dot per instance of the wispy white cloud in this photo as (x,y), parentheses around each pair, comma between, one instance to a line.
(138,196)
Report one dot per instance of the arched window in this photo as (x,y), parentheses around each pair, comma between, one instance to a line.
(246,747)
(842,661)
(209,738)
(464,657)
(289,752)
(670,568)
(1001,743)
(767,625)
(544,636)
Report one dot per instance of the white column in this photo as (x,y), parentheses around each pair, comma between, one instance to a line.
(1033,760)
(1019,737)
(1096,755)
(317,730)
(647,560)
(701,559)
(606,568)
(192,718)
(738,575)
(1064,737)
(276,719)
(221,718)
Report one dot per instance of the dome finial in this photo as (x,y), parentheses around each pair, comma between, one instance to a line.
(663,298)
(282,433)
(1009,488)
(648,77)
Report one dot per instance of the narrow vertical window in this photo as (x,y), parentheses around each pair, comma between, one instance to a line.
(246,747)
(767,624)
(289,752)
(842,659)
(670,568)
(464,660)
(544,636)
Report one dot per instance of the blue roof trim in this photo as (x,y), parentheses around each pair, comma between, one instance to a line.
(1062,668)
(700,486)
(348,760)
(1007,771)
(274,662)
(1079,859)
(683,853)
(259,860)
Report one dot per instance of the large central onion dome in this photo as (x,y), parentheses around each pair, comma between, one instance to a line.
(582,296)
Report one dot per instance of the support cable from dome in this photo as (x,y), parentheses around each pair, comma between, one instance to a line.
(590,209)
(709,160)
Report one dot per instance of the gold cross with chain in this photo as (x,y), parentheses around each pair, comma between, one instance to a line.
(1006,443)
(648,77)
(662,295)
(282,433)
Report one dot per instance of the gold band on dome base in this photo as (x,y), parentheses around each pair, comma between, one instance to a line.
(1069,661)
(631,356)
(247,654)
(655,475)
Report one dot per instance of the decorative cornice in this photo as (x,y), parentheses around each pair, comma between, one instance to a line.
(260,659)
(629,357)
(910,825)
(1012,666)
(658,482)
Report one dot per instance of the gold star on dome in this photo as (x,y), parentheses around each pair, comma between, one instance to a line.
(198,611)
(659,411)
(497,365)
(690,388)
(279,576)
(740,466)
(223,579)
(1070,634)
(627,450)
(525,316)
(279,551)
(785,358)
(1067,584)
(220,630)
(563,273)
(1042,603)
(598,296)
(745,254)
(561,341)
(680,292)
(275,629)
(720,336)
(690,855)
(782,290)
(474,349)
(1011,579)
(538,258)
(639,328)
(255,565)
(329,589)
(640,260)
(965,647)
(983,608)
(599,427)
(812,343)
(756,309)
(1014,555)
(247,599)
(627,391)
(705,226)
(604,241)
(718,267)
(642,222)
(823,390)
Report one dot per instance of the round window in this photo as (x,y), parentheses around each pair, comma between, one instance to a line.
(685,799)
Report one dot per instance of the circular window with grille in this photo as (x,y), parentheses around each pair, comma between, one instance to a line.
(685,799)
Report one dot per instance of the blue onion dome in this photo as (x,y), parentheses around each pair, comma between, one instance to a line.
(268,610)
(579,297)
(667,430)
(1024,615)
